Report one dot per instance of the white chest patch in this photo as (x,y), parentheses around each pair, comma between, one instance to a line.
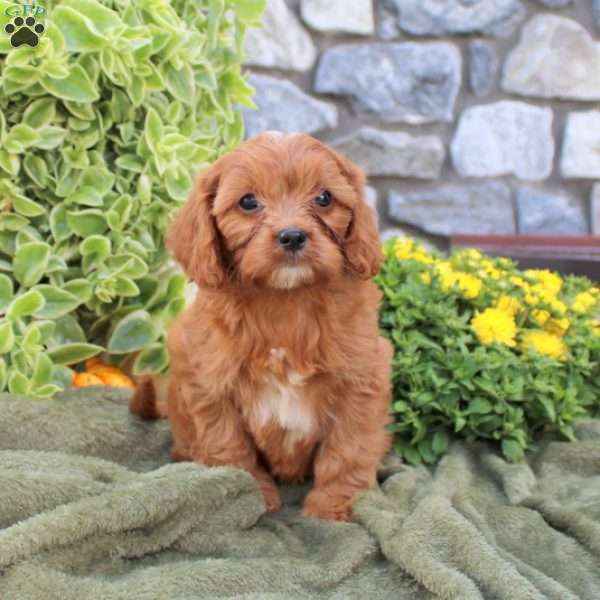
(283,403)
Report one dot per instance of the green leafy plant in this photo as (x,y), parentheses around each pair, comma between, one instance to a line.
(485,351)
(102,127)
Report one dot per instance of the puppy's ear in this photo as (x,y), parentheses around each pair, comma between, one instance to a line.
(193,238)
(362,244)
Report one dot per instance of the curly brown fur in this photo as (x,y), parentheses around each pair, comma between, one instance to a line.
(278,366)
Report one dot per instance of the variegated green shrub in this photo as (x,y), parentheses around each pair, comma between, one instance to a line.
(102,126)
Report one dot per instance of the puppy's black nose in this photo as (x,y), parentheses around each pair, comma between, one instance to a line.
(292,239)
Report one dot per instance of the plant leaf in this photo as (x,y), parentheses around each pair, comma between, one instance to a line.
(78,30)
(26,207)
(178,183)
(3,375)
(58,223)
(76,86)
(512,450)
(51,137)
(40,113)
(87,222)
(152,359)
(42,372)
(153,129)
(80,288)
(440,442)
(18,384)
(68,331)
(58,302)
(249,10)
(180,82)
(7,337)
(6,291)
(68,354)
(132,333)
(30,262)
(37,169)
(25,304)
(86,195)
(21,137)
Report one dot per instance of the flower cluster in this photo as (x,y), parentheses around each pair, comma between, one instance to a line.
(521,310)
(485,349)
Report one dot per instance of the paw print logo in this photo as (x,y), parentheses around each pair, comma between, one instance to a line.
(24,31)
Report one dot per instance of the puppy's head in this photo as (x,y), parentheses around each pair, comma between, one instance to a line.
(281,211)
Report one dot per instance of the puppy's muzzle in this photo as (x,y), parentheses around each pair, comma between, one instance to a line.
(291,239)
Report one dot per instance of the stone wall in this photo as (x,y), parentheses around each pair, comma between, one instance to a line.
(468,117)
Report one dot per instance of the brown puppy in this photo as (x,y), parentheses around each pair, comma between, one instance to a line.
(278,367)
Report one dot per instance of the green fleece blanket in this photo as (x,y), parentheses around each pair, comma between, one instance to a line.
(91,509)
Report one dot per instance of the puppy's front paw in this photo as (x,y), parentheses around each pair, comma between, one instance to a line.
(271,495)
(324,506)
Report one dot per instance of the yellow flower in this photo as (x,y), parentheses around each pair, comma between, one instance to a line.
(490,270)
(551,281)
(545,343)
(444,266)
(472,253)
(494,325)
(558,306)
(446,274)
(518,281)
(557,326)
(530,297)
(403,248)
(511,306)
(422,257)
(540,316)
(583,302)
(469,285)
(469,255)
(425,278)
(541,294)
(407,249)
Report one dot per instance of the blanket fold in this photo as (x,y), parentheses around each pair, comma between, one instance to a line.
(91,507)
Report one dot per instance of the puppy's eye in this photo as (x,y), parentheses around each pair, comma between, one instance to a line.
(324,199)
(249,203)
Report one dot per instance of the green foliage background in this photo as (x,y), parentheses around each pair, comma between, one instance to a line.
(102,127)
(447,383)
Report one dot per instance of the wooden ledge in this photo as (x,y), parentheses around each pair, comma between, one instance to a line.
(534,246)
(579,255)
